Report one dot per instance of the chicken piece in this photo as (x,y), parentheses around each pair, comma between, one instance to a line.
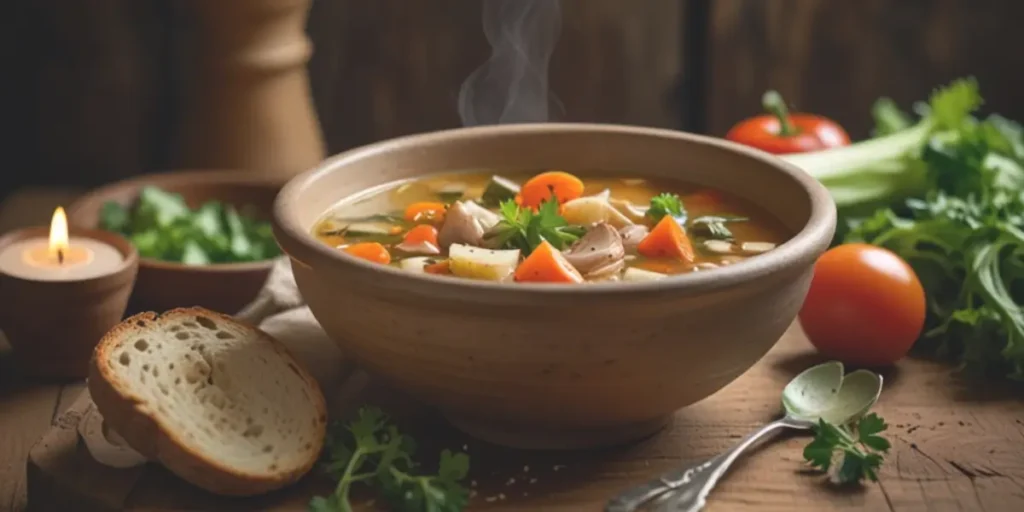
(485,217)
(598,253)
(632,235)
(460,227)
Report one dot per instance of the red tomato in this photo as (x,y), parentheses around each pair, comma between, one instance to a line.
(781,132)
(866,306)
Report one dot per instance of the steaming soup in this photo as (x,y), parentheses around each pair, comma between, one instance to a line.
(550,227)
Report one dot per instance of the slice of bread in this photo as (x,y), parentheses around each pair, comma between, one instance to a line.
(221,404)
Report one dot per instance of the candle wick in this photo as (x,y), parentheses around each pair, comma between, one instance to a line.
(60,256)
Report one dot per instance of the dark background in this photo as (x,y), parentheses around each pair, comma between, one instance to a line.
(89,89)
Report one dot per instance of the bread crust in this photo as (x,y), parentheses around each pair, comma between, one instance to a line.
(126,413)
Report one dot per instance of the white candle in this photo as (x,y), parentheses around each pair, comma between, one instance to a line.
(58,258)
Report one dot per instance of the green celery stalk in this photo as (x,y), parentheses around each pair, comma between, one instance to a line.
(875,171)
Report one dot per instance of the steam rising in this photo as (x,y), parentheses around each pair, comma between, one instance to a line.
(512,86)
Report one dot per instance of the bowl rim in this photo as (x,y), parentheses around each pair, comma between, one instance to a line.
(229,177)
(299,244)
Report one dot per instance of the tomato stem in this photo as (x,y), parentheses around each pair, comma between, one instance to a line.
(775,105)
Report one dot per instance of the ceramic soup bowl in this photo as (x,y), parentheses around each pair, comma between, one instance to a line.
(558,366)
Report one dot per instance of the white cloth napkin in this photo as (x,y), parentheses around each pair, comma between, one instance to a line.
(280,311)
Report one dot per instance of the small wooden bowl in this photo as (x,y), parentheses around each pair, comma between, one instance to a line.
(161,285)
(54,325)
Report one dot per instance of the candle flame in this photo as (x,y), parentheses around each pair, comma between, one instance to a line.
(59,234)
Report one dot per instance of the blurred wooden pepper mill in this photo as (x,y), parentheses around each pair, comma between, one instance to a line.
(249,104)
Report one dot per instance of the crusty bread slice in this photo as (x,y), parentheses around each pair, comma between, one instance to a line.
(221,404)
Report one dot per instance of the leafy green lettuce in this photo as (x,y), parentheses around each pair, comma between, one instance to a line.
(162,226)
(963,231)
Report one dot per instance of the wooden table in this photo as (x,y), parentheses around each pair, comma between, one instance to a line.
(956,445)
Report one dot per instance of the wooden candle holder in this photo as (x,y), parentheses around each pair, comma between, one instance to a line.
(250,105)
(53,326)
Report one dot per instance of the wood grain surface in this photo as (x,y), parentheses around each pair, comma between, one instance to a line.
(956,446)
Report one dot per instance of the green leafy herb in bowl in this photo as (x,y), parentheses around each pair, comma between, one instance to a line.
(163,227)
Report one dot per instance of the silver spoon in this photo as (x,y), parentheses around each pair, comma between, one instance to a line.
(818,392)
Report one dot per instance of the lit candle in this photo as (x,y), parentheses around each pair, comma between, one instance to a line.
(62,293)
(59,257)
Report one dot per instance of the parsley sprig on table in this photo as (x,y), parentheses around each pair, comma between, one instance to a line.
(371,450)
(858,452)
(523,229)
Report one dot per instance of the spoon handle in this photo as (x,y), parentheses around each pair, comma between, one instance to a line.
(697,480)
(691,496)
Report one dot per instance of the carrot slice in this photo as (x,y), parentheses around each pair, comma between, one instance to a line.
(440,268)
(424,233)
(519,201)
(428,212)
(370,251)
(547,265)
(564,186)
(666,240)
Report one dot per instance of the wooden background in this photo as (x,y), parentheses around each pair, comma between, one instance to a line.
(90,88)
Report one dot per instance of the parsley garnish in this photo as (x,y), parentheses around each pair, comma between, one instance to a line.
(667,204)
(859,457)
(372,451)
(713,226)
(523,229)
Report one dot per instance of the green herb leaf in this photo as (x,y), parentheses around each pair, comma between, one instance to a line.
(328,504)
(851,470)
(859,458)
(454,466)
(870,425)
(240,244)
(951,104)
(114,217)
(159,208)
(162,226)
(667,204)
(819,451)
(889,118)
(372,451)
(713,226)
(521,228)
(193,254)
(148,243)
(207,220)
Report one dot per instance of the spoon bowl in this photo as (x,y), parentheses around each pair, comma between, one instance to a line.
(812,391)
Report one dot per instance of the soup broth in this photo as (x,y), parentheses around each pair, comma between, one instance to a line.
(549,227)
